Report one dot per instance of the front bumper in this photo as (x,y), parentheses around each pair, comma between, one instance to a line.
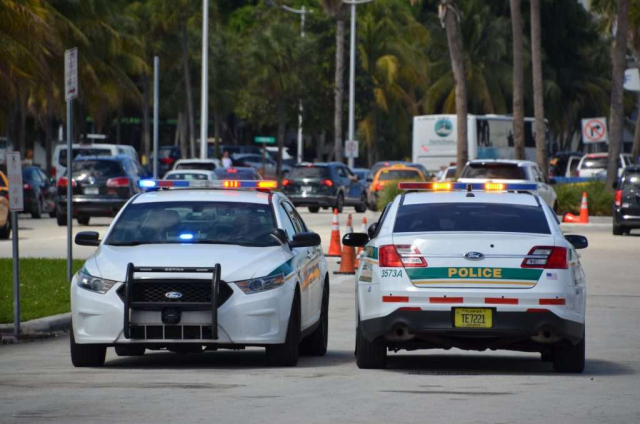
(324,201)
(92,206)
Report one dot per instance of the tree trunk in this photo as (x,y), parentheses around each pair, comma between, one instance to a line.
(187,82)
(635,152)
(518,80)
(146,120)
(454,40)
(281,132)
(538,88)
(339,90)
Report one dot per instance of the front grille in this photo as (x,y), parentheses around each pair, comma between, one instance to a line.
(171,332)
(198,291)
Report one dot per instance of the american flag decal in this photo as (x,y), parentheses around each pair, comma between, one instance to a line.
(552,276)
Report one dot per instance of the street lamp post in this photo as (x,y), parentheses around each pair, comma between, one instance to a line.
(302,12)
(352,71)
(204,108)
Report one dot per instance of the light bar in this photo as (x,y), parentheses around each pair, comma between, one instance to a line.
(449,186)
(216,184)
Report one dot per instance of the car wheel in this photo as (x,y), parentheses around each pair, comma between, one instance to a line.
(362,207)
(5,231)
(370,355)
(84,220)
(87,355)
(61,219)
(569,358)
(314,209)
(617,230)
(340,203)
(36,213)
(315,344)
(287,353)
(130,350)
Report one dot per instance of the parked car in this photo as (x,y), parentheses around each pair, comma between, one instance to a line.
(238,173)
(40,192)
(325,185)
(191,175)
(385,164)
(595,164)
(59,161)
(167,157)
(5,220)
(448,174)
(101,186)
(510,171)
(626,210)
(202,164)
(564,164)
(256,161)
(392,174)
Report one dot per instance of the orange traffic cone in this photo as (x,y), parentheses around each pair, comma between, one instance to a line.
(584,209)
(570,218)
(348,257)
(334,247)
(360,249)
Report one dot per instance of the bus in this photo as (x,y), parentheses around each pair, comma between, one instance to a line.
(488,136)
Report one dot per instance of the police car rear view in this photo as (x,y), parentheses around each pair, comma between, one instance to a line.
(219,266)
(470,266)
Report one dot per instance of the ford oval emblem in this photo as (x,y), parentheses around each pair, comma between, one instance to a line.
(474,256)
(173,295)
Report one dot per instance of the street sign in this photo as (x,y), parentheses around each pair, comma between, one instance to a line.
(351,149)
(71,74)
(265,140)
(14,174)
(594,130)
(632,79)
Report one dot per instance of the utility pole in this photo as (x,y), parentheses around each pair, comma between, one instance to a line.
(204,109)
(156,100)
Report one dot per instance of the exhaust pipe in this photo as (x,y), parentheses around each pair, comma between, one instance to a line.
(399,333)
(546,334)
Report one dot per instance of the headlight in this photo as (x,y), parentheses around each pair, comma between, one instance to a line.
(94,284)
(257,285)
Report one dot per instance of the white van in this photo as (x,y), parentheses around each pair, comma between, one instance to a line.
(59,162)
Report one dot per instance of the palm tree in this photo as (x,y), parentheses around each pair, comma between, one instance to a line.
(538,89)
(518,80)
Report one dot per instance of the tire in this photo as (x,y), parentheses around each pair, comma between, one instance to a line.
(370,355)
(340,203)
(5,231)
(569,358)
(86,355)
(362,207)
(36,213)
(61,219)
(617,230)
(287,353)
(84,220)
(130,350)
(315,344)
(314,209)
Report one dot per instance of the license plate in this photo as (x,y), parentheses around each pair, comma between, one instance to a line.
(307,188)
(472,318)
(91,190)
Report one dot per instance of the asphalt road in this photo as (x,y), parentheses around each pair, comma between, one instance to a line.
(38,383)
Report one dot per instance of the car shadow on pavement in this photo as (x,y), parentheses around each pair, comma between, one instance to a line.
(442,364)
(223,359)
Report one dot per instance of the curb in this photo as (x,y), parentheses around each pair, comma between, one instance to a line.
(46,325)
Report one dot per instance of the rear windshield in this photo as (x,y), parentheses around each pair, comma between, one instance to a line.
(244,224)
(595,163)
(310,172)
(471,217)
(631,180)
(97,168)
(82,151)
(236,174)
(498,171)
(187,176)
(205,166)
(398,174)
(166,153)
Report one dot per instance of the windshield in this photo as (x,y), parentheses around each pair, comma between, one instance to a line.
(471,217)
(244,224)
(631,181)
(190,176)
(310,172)
(595,163)
(498,171)
(398,174)
(97,168)
(205,166)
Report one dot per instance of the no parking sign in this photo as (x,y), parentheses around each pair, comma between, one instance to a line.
(594,130)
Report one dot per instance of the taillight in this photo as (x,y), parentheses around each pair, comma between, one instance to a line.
(63,182)
(618,198)
(549,257)
(393,256)
(328,183)
(167,161)
(118,182)
(378,186)
(27,186)
(285,182)
(54,172)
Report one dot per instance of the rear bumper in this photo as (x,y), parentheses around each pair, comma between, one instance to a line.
(324,201)
(107,207)
(437,327)
(624,218)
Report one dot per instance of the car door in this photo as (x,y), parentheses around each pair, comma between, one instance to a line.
(299,262)
(355,188)
(343,182)
(48,192)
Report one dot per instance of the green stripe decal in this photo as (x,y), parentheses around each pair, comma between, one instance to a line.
(371,252)
(467,273)
(285,269)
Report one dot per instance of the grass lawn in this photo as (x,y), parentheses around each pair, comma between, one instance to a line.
(44,289)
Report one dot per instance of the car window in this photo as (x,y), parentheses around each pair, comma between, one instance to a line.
(236,174)
(286,222)
(129,167)
(43,176)
(471,217)
(189,176)
(206,166)
(341,172)
(631,181)
(595,163)
(298,223)
(500,171)
(399,174)
(310,172)
(80,151)
(97,168)
(536,174)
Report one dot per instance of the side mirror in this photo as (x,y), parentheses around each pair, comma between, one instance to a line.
(355,239)
(280,235)
(305,240)
(88,238)
(372,229)
(578,242)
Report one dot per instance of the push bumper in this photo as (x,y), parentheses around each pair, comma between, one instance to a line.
(92,206)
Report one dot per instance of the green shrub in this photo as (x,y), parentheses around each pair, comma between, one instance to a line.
(599,199)
(388,193)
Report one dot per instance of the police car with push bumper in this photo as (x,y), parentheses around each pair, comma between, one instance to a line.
(200,264)
(470,266)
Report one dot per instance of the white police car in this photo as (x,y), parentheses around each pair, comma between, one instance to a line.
(470,266)
(220,266)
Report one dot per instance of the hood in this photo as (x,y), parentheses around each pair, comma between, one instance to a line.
(237,262)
